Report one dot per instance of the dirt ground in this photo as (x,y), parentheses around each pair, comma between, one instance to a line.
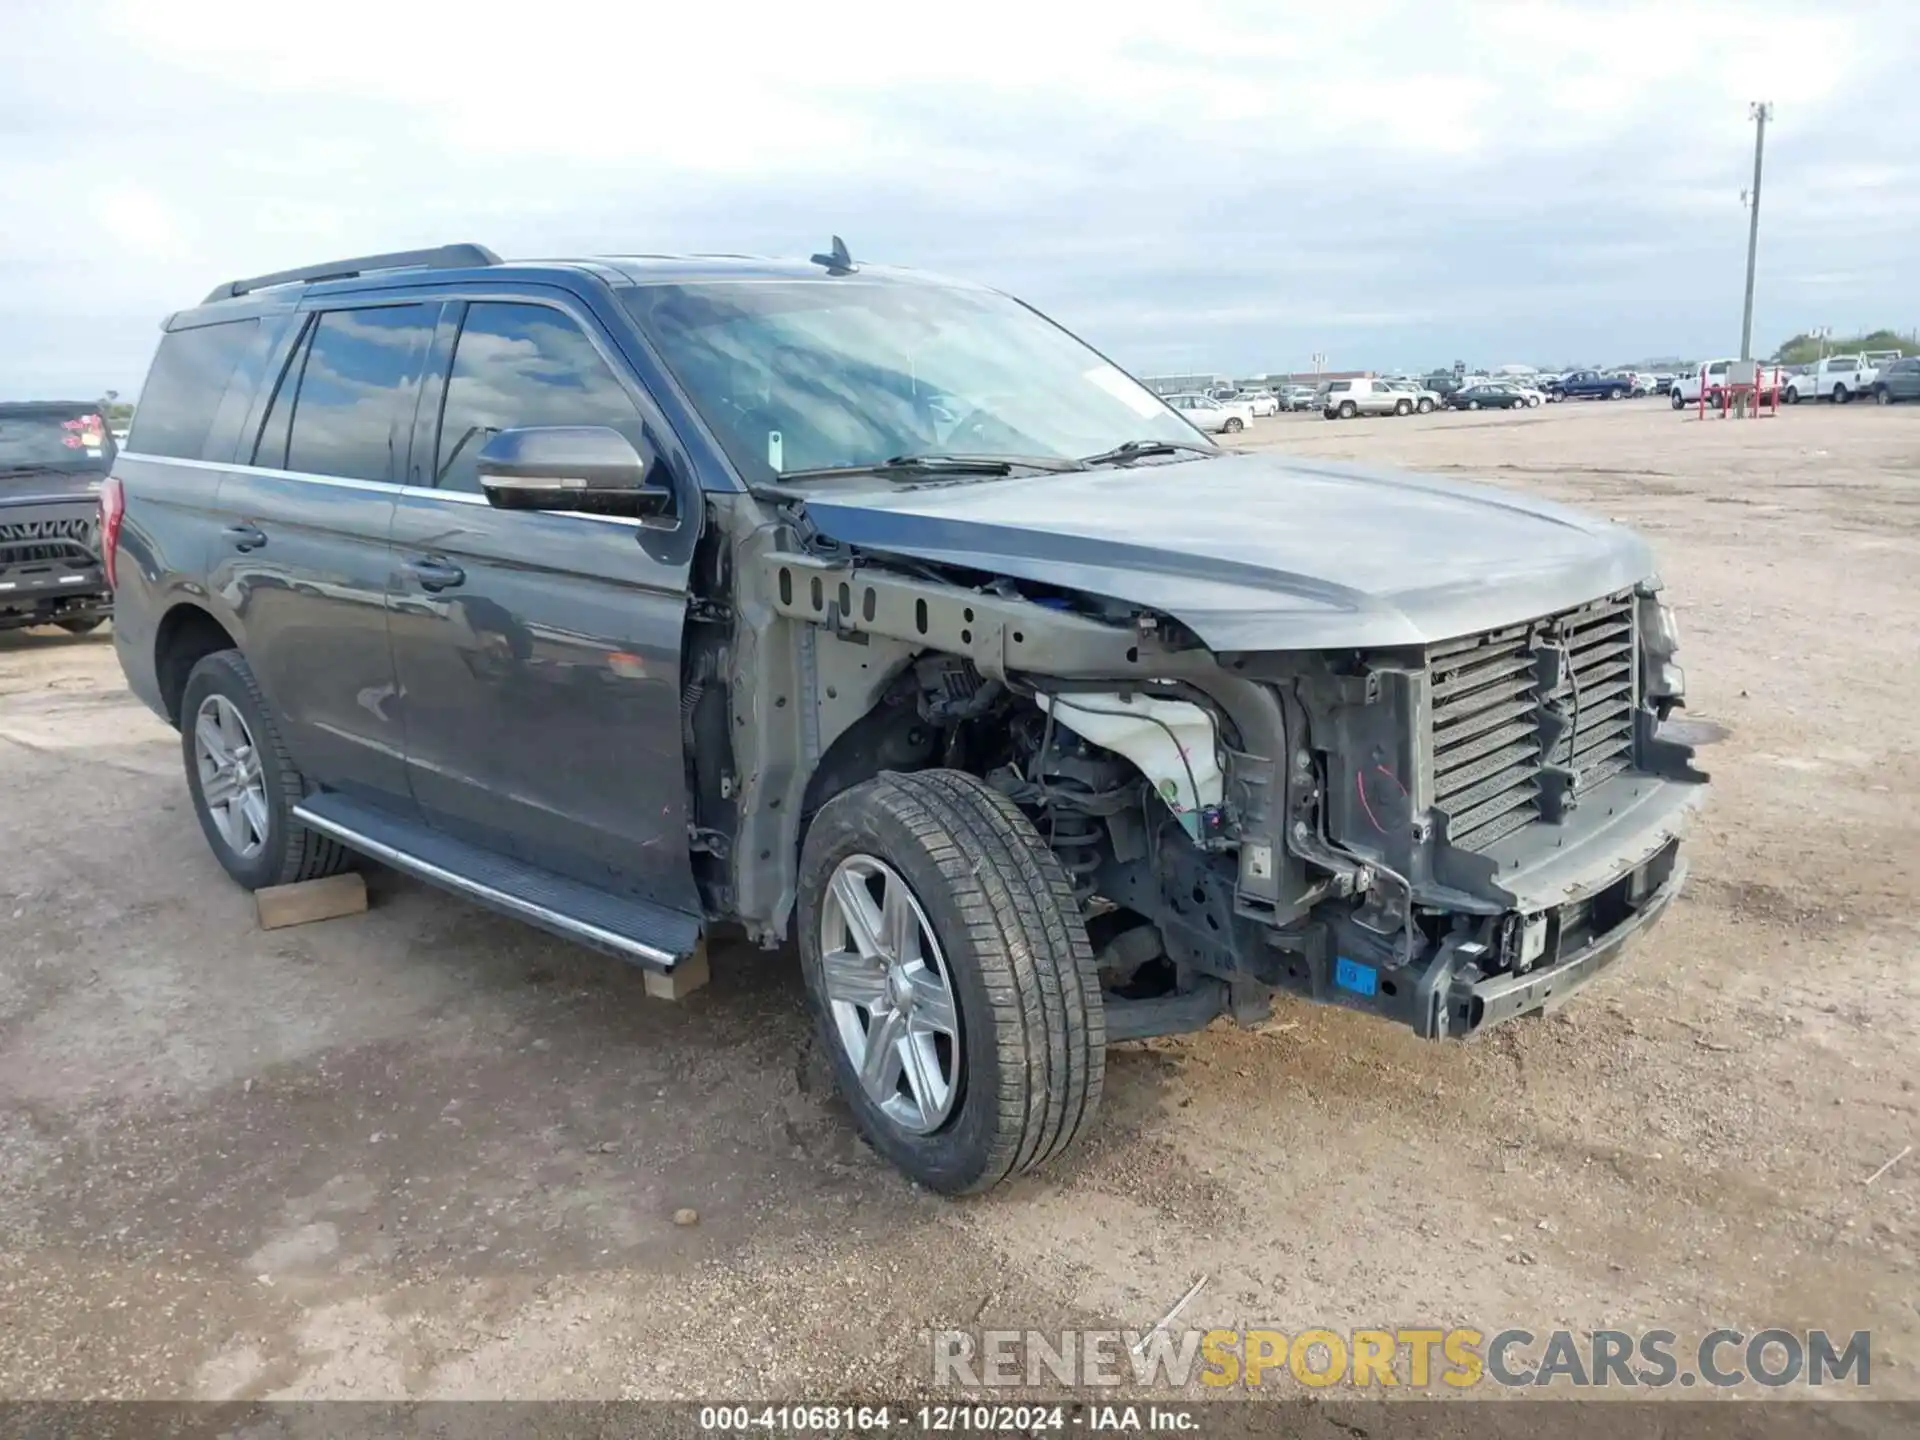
(433,1153)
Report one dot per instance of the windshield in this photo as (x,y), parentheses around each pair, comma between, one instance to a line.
(54,438)
(818,374)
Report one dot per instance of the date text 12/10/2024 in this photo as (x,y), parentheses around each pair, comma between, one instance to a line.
(947,1419)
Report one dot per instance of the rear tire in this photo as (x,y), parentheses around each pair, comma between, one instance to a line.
(994,920)
(254,837)
(1348,410)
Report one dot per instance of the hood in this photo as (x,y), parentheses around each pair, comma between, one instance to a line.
(1260,551)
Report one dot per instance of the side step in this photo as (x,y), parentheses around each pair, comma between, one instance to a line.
(647,935)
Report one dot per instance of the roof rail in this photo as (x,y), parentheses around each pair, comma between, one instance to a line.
(446,257)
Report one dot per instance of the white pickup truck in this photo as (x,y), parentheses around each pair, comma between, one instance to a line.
(1711,379)
(1838,378)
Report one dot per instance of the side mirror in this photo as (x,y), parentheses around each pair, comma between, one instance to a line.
(589,468)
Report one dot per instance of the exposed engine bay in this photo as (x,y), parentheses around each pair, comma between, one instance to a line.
(1447,834)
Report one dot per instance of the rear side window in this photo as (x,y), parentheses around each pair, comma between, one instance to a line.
(346,396)
(1339,385)
(516,366)
(189,379)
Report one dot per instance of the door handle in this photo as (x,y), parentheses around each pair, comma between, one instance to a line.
(245,537)
(435,574)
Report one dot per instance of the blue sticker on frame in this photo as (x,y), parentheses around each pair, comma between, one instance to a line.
(1352,975)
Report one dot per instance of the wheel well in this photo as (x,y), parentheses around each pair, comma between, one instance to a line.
(187,636)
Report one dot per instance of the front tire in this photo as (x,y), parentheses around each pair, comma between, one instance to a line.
(1233,425)
(243,783)
(1679,400)
(1425,407)
(1473,404)
(1793,396)
(936,925)
(1403,408)
(1840,395)
(1882,395)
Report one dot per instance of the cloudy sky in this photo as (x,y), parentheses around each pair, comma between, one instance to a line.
(1189,185)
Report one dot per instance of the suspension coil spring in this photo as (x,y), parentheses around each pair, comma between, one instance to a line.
(1075,838)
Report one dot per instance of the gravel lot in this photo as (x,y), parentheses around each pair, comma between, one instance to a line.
(429,1152)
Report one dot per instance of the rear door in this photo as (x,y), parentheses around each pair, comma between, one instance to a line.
(303,555)
(538,654)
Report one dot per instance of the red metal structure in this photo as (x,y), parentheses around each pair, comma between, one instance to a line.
(1750,387)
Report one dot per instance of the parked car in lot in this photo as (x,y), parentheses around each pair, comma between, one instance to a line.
(1215,417)
(1592,385)
(659,598)
(54,456)
(1838,378)
(1261,402)
(1898,380)
(1425,401)
(1711,380)
(1487,397)
(1529,393)
(1345,399)
(1299,397)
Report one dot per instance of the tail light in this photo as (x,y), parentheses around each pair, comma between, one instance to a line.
(113,509)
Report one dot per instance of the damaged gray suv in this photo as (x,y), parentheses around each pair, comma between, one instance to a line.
(637,596)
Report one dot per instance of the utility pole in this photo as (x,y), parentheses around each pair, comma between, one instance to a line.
(1759,112)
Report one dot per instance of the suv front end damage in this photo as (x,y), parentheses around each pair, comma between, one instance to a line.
(1448,834)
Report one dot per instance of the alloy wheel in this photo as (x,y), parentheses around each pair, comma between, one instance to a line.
(890,993)
(231,784)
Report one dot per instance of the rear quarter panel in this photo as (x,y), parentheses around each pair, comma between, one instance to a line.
(166,542)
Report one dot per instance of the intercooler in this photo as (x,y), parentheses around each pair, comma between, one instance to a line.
(1525,719)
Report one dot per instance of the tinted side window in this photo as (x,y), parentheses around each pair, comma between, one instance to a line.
(184,389)
(272,449)
(356,391)
(516,366)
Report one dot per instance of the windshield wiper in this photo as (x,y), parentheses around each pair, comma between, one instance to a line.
(914,466)
(1138,449)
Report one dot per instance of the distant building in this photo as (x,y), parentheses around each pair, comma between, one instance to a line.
(1183,384)
(1321,377)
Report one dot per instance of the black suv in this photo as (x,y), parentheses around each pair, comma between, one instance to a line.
(54,455)
(638,595)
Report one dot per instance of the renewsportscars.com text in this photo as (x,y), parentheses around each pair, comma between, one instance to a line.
(1415,1357)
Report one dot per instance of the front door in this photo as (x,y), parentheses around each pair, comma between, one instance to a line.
(302,556)
(538,655)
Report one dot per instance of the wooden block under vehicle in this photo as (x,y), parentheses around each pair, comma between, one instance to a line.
(337,895)
(681,981)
